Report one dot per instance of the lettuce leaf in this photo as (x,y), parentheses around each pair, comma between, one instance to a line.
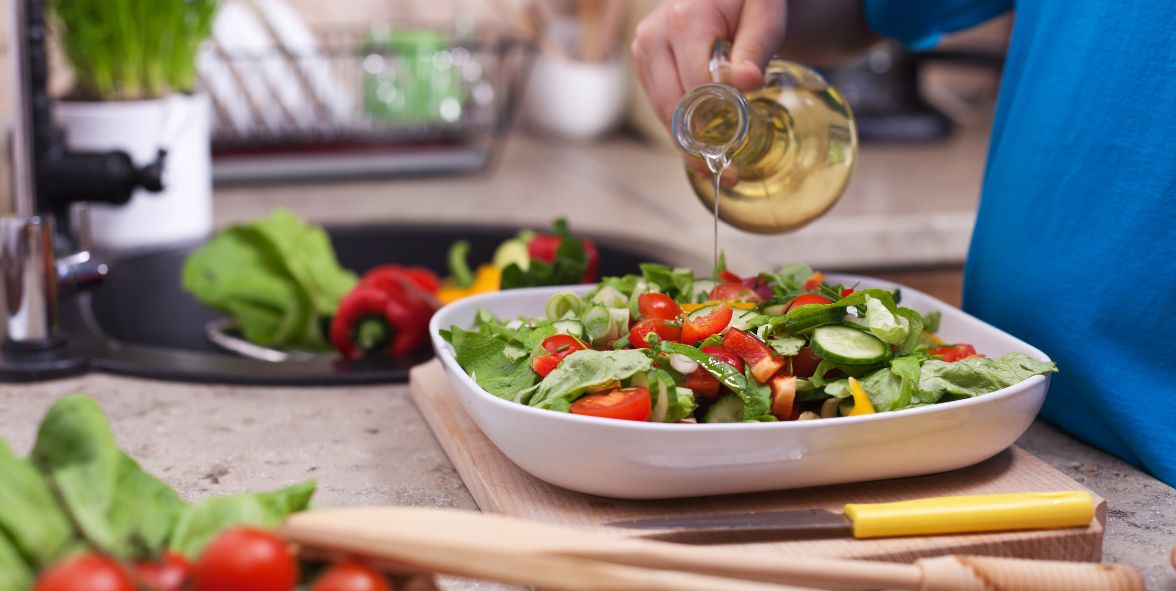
(200,523)
(585,369)
(890,328)
(115,504)
(485,358)
(976,376)
(30,517)
(670,281)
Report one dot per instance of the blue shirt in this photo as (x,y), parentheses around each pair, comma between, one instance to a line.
(1074,249)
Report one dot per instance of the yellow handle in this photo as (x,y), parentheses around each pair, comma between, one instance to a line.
(971,514)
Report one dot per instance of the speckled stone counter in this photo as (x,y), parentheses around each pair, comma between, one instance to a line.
(369,446)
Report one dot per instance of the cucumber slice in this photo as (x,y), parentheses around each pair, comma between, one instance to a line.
(805,318)
(572,327)
(703,311)
(727,409)
(741,319)
(846,346)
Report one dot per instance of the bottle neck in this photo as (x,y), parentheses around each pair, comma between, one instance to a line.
(716,122)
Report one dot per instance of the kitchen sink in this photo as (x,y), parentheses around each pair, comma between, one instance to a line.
(140,322)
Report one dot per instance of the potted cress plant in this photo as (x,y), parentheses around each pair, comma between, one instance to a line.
(134,75)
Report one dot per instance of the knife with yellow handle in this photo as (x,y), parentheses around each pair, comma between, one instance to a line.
(920,517)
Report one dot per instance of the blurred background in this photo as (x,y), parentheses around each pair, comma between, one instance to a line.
(495,112)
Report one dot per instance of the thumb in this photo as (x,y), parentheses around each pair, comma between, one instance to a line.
(760,33)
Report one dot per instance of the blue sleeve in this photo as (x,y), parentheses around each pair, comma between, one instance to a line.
(919,24)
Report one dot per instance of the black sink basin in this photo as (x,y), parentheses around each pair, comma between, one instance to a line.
(141,323)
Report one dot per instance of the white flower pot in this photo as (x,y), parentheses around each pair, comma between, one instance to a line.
(178,124)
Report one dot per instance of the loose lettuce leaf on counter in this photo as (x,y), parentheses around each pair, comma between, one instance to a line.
(116,505)
(484,358)
(30,517)
(200,523)
(976,376)
(15,574)
(584,369)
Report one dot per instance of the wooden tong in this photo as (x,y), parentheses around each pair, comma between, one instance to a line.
(511,550)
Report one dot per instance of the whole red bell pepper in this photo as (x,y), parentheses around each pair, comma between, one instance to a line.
(393,298)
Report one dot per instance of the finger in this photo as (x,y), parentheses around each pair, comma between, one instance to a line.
(694,27)
(761,31)
(655,65)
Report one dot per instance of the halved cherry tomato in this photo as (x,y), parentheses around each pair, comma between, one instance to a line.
(85,572)
(805,363)
(702,383)
(350,576)
(725,356)
(658,305)
(629,404)
(664,329)
(805,299)
(246,559)
(763,360)
(698,328)
(733,292)
(729,277)
(955,352)
(545,364)
(814,281)
(170,572)
(562,345)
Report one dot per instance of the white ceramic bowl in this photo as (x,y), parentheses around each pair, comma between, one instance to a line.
(632,460)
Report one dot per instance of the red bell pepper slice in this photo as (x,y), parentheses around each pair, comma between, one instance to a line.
(763,360)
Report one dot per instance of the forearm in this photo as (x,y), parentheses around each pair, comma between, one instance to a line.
(826,32)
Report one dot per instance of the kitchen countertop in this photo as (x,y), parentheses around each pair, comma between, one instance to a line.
(907,204)
(368,445)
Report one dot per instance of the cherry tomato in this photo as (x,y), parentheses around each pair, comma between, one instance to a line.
(814,281)
(729,277)
(955,352)
(658,305)
(350,576)
(733,292)
(763,360)
(805,363)
(699,327)
(665,330)
(629,404)
(702,383)
(545,364)
(725,356)
(805,299)
(85,572)
(170,572)
(246,559)
(562,345)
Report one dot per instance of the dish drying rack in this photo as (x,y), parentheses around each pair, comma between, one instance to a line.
(348,103)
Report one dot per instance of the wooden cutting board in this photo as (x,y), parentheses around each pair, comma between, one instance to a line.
(499,486)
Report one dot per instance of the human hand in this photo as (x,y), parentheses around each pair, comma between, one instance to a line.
(672,47)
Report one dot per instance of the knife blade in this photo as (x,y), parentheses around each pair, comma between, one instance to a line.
(931,516)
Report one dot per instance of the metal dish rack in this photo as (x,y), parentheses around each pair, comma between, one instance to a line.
(361,103)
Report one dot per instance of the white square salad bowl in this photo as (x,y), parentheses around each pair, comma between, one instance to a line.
(634,460)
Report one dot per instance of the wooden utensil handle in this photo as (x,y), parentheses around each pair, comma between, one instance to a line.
(985,573)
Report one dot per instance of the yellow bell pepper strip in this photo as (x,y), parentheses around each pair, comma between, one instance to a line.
(861,402)
(486,279)
(688,308)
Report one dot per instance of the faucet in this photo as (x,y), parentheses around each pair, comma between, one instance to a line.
(49,183)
